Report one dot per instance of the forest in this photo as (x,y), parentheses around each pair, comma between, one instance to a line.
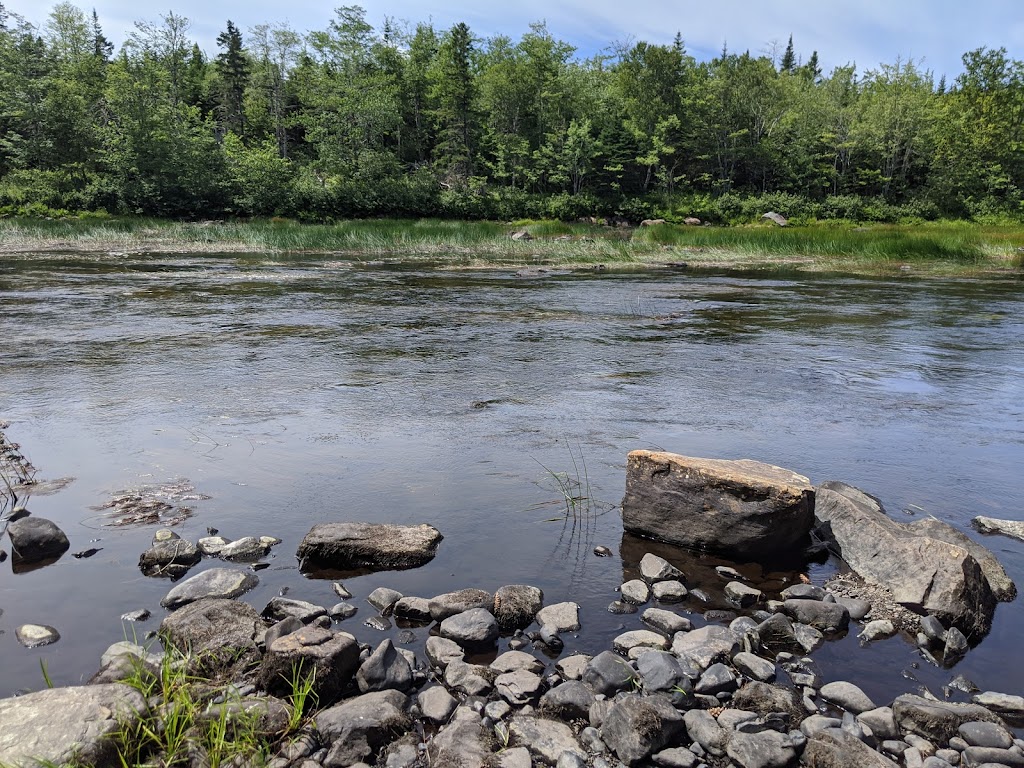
(353,121)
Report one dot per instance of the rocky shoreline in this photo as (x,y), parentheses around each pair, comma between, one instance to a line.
(497,683)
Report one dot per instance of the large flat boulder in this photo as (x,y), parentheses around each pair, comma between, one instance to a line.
(924,573)
(216,582)
(63,726)
(375,546)
(744,508)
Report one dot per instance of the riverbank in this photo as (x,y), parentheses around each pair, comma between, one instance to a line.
(939,249)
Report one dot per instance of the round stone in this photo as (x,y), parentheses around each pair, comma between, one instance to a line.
(36,635)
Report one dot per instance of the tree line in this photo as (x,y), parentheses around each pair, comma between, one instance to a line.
(407,119)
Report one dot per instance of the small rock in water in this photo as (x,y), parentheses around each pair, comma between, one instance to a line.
(343,611)
(378,622)
(669,591)
(210,530)
(961,683)
(36,635)
(618,606)
(259,566)
(876,630)
(701,595)
(86,552)
(405,637)
(602,551)
(140,615)
(636,592)
(655,569)
(3,555)
(956,646)
(384,599)
(340,591)
(729,573)
(211,546)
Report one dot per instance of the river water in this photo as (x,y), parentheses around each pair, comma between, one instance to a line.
(293,390)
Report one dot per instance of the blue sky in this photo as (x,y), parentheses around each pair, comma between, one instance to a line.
(864,32)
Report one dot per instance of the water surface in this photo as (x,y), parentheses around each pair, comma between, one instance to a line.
(296,390)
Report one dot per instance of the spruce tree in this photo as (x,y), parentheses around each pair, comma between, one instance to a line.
(232,66)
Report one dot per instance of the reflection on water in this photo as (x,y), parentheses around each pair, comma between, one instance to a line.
(294,390)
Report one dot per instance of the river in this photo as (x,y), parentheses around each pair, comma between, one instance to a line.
(292,390)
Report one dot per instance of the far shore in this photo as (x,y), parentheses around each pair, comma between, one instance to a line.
(941,249)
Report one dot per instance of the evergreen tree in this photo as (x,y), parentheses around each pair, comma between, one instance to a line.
(453,89)
(788,63)
(232,67)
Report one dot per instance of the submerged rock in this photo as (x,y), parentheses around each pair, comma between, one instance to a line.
(374,546)
(745,509)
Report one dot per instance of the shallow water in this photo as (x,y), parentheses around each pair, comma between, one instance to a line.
(295,390)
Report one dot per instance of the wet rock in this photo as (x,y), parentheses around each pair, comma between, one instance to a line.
(636,592)
(608,673)
(765,749)
(755,667)
(331,658)
(36,635)
(217,634)
(602,551)
(475,627)
(666,622)
(704,646)
(546,739)
(518,688)
(341,591)
(818,614)
(34,539)
(385,669)
(740,508)
(215,582)
(742,595)
(654,569)
(156,560)
(470,679)
(848,696)
(436,704)
(936,721)
(956,646)
(803,592)
(282,607)
(359,728)
(516,605)
(835,748)
(368,546)
(412,608)
(384,599)
(637,725)
(933,630)
(925,574)
(550,637)
(452,603)
(639,638)
(463,743)
(140,614)
(571,700)
(808,637)
(441,652)
(211,546)
(380,623)
(876,630)
(65,726)
(564,617)
(669,592)
(342,611)
(857,609)
(245,549)
(621,608)
(777,632)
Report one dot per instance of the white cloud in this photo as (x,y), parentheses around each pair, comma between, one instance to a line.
(867,32)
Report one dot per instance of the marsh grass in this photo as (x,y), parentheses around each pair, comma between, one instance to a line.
(934,247)
(192,720)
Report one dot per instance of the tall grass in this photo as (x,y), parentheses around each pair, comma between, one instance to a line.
(936,247)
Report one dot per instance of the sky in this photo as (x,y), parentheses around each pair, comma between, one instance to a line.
(934,33)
